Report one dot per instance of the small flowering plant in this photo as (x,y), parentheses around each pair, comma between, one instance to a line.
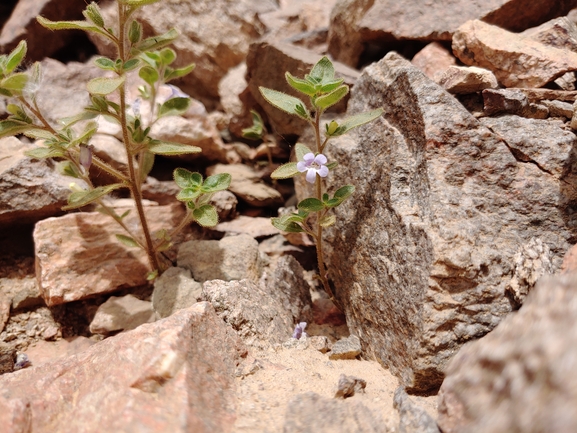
(323,91)
(68,141)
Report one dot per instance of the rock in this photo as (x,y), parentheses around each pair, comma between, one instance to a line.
(42,42)
(296,60)
(433,60)
(520,377)
(413,419)
(5,303)
(559,109)
(569,261)
(232,85)
(537,95)
(247,185)
(162,192)
(349,385)
(110,150)
(78,255)
(439,235)
(16,415)
(257,227)
(511,101)
(320,343)
(225,203)
(515,60)
(558,33)
(215,35)
(175,375)
(30,190)
(25,294)
(310,412)
(462,79)
(7,357)
(121,314)
(197,131)
(231,258)
(174,290)
(346,348)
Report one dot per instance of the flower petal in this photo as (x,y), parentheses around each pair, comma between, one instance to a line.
(311,175)
(323,171)
(309,158)
(302,166)
(320,159)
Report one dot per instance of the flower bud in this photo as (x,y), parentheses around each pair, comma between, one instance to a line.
(86,156)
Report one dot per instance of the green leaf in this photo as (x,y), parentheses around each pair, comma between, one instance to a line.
(325,101)
(137,3)
(156,42)
(340,195)
(15,82)
(15,57)
(301,150)
(331,85)
(92,13)
(104,86)
(44,152)
(146,162)
(323,71)
(84,115)
(82,198)
(89,130)
(152,275)
(71,25)
(285,171)
(39,134)
(66,168)
(127,240)
(166,148)
(10,127)
(148,74)
(216,182)
(205,215)
(174,107)
(328,220)
(186,179)
(286,226)
(131,64)
(167,56)
(301,85)
(286,103)
(135,32)
(357,120)
(188,194)
(105,63)
(256,131)
(311,204)
(177,73)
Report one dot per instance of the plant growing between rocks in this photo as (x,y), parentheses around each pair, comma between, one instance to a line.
(68,142)
(314,213)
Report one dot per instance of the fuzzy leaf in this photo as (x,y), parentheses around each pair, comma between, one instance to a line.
(44,152)
(186,179)
(179,72)
(205,215)
(323,71)
(301,85)
(166,148)
(71,25)
(15,57)
(340,195)
(104,86)
(131,64)
(105,63)
(285,171)
(286,226)
(135,32)
(288,104)
(327,220)
(155,42)
(357,120)
(39,134)
(93,13)
(325,101)
(82,198)
(174,107)
(11,127)
(311,204)
(127,240)
(167,56)
(216,182)
(15,82)
(331,85)
(148,74)
(188,194)
(301,150)
(84,115)
(137,3)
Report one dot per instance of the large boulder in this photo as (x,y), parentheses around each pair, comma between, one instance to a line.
(422,254)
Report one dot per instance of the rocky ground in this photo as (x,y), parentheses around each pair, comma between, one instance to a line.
(453,262)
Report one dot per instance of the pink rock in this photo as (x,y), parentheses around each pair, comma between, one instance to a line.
(433,60)
(174,375)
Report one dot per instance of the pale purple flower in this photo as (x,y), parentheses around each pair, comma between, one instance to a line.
(86,155)
(176,92)
(136,107)
(300,330)
(313,165)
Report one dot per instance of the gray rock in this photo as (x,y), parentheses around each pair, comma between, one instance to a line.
(349,385)
(312,413)
(511,101)
(121,314)
(423,251)
(26,294)
(257,227)
(7,357)
(173,290)
(231,258)
(521,376)
(413,419)
(559,108)
(346,348)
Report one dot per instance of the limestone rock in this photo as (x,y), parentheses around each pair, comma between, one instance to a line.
(520,377)
(433,60)
(78,255)
(175,375)
(515,60)
(160,191)
(29,189)
(225,204)
(42,42)
(25,293)
(121,314)
(232,85)
(558,33)
(257,227)
(247,185)
(413,419)
(346,348)
(296,60)
(231,258)
(423,251)
(174,290)
(462,79)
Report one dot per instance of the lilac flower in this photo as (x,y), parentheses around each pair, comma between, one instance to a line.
(313,165)
(136,107)
(86,155)
(176,92)
(300,330)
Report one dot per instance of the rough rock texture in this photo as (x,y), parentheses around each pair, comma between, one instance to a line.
(121,314)
(257,227)
(173,290)
(510,101)
(78,255)
(29,189)
(560,33)
(521,376)
(413,419)
(433,60)
(231,258)
(173,375)
(346,348)
(42,42)
(310,412)
(462,79)
(266,64)
(423,251)
(515,60)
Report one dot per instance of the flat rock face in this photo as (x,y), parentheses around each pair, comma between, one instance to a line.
(68,247)
(521,376)
(423,252)
(173,375)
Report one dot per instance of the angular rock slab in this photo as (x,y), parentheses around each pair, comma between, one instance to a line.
(423,251)
(521,376)
(174,375)
(78,255)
